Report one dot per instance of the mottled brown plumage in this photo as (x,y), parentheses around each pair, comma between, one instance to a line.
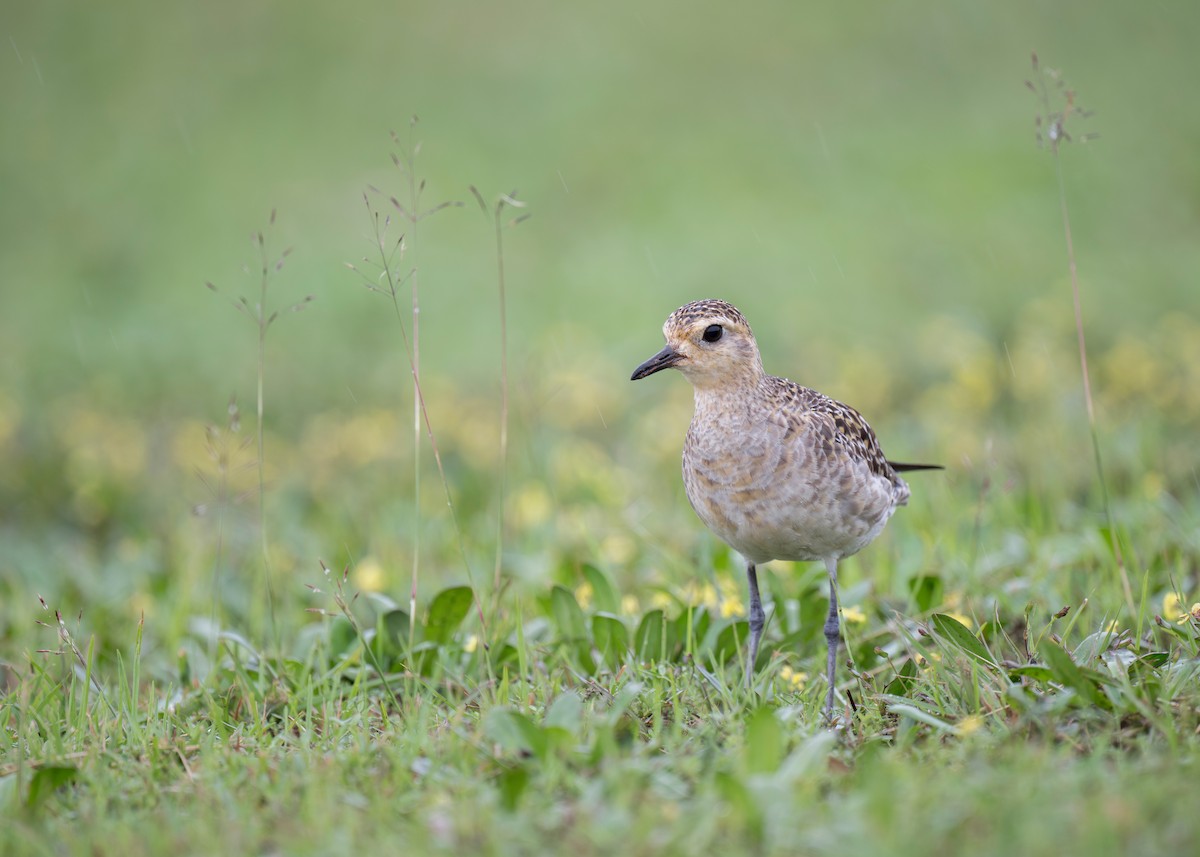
(776,470)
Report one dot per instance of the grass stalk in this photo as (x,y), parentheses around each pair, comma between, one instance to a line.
(508,200)
(503,475)
(386,280)
(265,543)
(67,644)
(405,159)
(1054,122)
(344,607)
(410,172)
(263,318)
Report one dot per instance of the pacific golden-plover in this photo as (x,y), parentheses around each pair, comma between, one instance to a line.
(776,470)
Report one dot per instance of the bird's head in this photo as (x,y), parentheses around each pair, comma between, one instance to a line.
(711,343)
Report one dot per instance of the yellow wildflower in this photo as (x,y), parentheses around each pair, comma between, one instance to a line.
(854,615)
(969,724)
(1171,610)
(795,678)
(369,575)
(693,593)
(729,597)
(661,601)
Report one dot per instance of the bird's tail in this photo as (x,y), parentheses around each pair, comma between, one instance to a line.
(904,468)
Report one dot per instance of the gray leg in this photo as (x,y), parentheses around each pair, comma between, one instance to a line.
(832,635)
(757,618)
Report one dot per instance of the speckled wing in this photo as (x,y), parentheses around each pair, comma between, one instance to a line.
(796,476)
(843,435)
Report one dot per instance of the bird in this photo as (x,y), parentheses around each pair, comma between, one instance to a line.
(776,470)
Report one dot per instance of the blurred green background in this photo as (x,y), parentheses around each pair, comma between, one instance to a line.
(863,182)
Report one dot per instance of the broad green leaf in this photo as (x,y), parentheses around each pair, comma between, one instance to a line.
(782,596)
(730,639)
(1084,682)
(342,636)
(949,628)
(926,592)
(1036,672)
(741,801)
(1092,646)
(604,594)
(46,780)
(649,642)
(764,742)
(566,712)
(514,732)
(811,756)
(511,784)
(814,608)
(566,613)
(583,656)
(793,642)
(381,602)
(556,738)
(904,679)
(611,637)
(446,613)
(395,626)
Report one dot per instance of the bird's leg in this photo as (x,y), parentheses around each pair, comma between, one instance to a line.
(832,636)
(757,619)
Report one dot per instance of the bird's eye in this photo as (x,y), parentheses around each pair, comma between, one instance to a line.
(713,332)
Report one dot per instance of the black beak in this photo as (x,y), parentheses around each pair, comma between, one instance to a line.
(664,359)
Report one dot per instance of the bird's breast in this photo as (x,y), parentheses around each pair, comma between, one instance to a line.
(771,490)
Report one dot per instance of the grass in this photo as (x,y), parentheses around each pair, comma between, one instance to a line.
(1003,694)
(578,743)
(1009,692)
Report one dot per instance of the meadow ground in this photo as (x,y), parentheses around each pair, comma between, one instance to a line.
(307,633)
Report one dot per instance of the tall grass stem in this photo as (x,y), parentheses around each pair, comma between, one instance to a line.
(1056,134)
